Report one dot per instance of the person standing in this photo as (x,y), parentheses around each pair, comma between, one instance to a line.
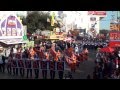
(36,66)
(44,68)
(1,62)
(28,66)
(52,69)
(61,68)
(3,65)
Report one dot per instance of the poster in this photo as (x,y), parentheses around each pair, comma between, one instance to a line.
(11,27)
(28,64)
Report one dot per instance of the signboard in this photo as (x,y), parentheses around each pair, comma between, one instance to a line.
(114,35)
(11,27)
(115,26)
(98,13)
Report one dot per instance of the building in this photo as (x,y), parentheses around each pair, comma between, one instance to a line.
(17,13)
(83,20)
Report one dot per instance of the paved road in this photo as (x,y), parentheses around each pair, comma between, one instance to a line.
(81,73)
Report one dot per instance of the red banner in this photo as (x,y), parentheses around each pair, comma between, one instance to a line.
(14,63)
(28,64)
(43,65)
(114,35)
(52,52)
(52,65)
(96,12)
(114,44)
(36,64)
(21,63)
(60,65)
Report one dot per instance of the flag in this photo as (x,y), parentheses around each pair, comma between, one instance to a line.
(52,52)
(69,51)
(52,19)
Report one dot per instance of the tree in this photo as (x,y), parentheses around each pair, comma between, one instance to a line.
(38,20)
(105,32)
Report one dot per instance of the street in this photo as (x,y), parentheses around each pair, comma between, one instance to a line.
(84,69)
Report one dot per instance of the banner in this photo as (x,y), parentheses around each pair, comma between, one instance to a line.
(43,65)
(98,13)
(14,63)
(52,65)
(36,64)
(20,63)
(114,35)
(28,64)
(60,66)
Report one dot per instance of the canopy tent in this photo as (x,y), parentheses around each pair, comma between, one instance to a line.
(12,41)
(107,49)
(114,44)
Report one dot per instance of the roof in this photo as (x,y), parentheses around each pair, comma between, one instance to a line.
(12,41)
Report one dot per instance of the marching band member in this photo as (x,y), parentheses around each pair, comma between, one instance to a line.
(30,57)
(32,53)
(36,65)
(74,62)
(9,69)
(44,71)
(58,54)
(61,72)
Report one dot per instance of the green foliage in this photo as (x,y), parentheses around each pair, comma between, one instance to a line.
(38,20)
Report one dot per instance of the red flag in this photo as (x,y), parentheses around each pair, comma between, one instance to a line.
(52,52)
(69,52)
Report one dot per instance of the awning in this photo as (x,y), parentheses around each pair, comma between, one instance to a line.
(12,41)
(107,49)
(114,44)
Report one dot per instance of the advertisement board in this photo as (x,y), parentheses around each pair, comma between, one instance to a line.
(114,35)
(11,27)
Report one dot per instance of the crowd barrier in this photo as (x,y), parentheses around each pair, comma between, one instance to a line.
(37,64)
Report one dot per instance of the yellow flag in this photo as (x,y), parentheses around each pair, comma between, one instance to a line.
(52,19)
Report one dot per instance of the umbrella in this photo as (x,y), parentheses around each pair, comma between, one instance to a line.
(107,49)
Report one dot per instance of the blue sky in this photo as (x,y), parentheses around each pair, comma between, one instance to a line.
(105,24)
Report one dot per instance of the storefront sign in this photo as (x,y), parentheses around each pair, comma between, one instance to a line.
(11,27)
